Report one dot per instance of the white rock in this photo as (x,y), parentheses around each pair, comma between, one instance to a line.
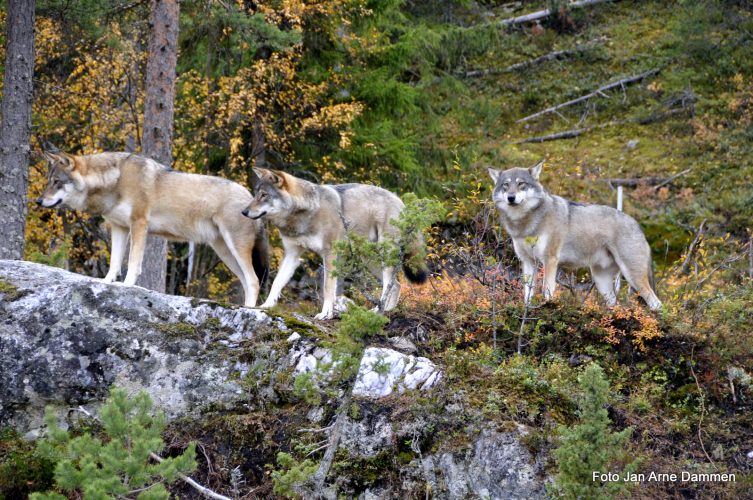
(382,371)
(294,337)
(306,363)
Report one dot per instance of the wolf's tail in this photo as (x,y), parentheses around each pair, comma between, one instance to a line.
(414,263)
(260,255)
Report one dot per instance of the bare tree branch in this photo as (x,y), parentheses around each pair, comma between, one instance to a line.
(559,54)
(569,134)
(599,91)
(543,14)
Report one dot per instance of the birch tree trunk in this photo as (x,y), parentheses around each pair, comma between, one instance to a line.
(16,126)
(158,119)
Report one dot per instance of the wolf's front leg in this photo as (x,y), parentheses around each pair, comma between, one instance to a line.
(119,237)
(290,262)
(529,277)
(329,290)
(390,289)
(138,242)
(550,276)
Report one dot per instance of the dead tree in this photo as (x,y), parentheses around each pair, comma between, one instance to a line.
(15,130)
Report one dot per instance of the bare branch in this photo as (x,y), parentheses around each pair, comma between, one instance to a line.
(569,134)
(543,14)
(600,90)
(201,489)
(551,56)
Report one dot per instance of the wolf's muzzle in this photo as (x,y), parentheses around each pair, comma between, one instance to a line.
(40,202)
(511,199)
(246,213)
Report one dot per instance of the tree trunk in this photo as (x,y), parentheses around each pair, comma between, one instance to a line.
(158,118)
(16,126)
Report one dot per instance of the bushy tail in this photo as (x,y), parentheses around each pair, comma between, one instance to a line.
(260,256)
(414,263)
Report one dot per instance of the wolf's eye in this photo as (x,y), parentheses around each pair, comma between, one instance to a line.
(263,196)
(505,186)
(522,185)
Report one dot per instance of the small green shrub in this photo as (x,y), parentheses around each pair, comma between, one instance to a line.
(120,465)
(291,474)
(590,446)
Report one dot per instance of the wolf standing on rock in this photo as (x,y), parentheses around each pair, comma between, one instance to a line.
(137,195)
(313,217)
(554,231)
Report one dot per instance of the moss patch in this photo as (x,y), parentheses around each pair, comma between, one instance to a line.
(178,330)
(10,291)
(22,471)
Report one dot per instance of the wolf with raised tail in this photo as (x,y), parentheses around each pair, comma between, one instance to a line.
(136,195)
(314,216)
(553,231)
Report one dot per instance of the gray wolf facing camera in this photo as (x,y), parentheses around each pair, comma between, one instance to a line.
(556,232)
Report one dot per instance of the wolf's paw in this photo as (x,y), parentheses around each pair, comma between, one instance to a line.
(325,314)
(108,280)
(267,305)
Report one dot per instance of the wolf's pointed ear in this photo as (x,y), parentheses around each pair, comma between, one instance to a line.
(254,178)
(278,178)
(536,170)
(60,159)
(52,157)
(275,177)
(494,174)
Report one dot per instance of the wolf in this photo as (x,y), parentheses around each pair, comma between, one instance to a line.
(313,217)
(557,232)
(136,195)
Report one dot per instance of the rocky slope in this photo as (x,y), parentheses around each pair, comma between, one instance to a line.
(65,339)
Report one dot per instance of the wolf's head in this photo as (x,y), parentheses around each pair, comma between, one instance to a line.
(272,194)
(65,186)
(517,188)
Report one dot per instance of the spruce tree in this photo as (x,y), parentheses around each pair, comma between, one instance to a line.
(590,446)
(118,465)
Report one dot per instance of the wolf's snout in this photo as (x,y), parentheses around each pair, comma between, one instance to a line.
(39,201)
(511,199)
(245,212)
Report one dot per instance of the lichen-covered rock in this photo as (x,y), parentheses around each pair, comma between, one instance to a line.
(367,437)
(383,371)
(496,466)
(66,338)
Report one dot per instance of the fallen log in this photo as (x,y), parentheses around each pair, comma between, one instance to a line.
(600,91)
(559,54)
(648,181)
(569,134)
(543,14)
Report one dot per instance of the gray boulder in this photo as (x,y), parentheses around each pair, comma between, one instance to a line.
(66,338)
(496,466)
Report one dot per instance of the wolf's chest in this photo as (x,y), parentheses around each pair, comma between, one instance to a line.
(120,214)
(313,242)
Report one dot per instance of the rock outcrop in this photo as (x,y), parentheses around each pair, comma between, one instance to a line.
(66,338)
